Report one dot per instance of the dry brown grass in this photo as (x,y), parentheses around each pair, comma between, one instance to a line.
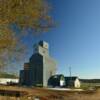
(45,94)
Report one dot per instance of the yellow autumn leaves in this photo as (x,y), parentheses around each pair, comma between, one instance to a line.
(24,14)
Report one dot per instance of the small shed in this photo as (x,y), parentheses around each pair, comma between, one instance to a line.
(72,82)
(56,81)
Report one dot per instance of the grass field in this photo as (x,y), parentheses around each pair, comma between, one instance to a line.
(45,94)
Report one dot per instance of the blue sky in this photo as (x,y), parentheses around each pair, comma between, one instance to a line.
(75,41)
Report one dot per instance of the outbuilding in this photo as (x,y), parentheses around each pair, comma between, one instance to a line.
(72,82)
(56,81)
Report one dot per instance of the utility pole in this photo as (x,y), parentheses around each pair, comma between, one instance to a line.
(70,71)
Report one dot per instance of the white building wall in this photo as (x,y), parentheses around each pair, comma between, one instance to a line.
(77,83)
(62,82)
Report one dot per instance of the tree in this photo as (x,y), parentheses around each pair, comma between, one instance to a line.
(31,13)
(24,14)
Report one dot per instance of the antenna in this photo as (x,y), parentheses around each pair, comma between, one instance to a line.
(70,72)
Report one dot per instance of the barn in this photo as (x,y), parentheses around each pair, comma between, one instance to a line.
(56,81)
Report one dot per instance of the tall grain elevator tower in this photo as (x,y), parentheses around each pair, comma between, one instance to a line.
(40,67)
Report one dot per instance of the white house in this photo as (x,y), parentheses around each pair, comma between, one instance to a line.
(77,83)
(73,82)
